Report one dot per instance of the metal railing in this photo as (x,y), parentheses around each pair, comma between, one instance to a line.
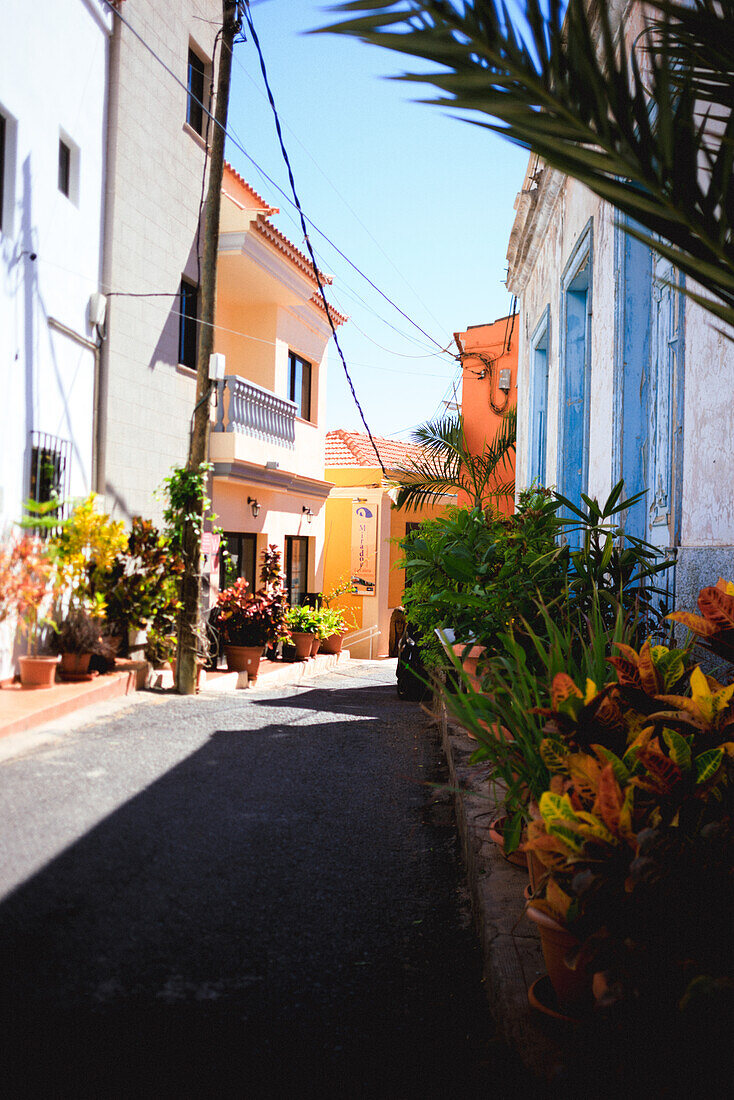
(250,410)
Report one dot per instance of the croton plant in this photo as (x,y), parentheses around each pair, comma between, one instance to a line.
(635,831)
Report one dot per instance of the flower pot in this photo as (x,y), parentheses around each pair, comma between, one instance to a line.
(516,858)
(136,642)
(332,644)
(38,672)
(315,645)
(244,658)
(303,642)
(470,661)
(572,987)
(74,665)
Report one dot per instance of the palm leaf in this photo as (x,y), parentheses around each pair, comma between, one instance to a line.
(654,140)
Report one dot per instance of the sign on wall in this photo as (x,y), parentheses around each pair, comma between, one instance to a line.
(364,549)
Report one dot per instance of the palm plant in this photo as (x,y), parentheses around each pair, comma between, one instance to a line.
(649,128)
(448,464)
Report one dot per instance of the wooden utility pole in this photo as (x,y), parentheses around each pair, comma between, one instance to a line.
(189,623)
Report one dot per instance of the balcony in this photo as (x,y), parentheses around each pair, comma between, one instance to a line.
(247,409)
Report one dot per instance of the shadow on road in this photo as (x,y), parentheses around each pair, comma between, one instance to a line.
(278,915)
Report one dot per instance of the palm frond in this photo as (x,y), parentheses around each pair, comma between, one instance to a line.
(649,130)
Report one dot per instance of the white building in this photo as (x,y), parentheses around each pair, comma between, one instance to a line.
(620,375)
(53,103)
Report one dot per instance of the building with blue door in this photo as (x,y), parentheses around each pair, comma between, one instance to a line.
(620,375)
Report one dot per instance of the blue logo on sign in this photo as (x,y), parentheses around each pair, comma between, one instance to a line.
(364,512)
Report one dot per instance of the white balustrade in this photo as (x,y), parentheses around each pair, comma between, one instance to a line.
(246,408)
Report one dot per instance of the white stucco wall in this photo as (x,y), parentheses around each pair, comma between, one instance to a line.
(53,83)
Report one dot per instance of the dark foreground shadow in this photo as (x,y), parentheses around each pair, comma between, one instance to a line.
(279,915)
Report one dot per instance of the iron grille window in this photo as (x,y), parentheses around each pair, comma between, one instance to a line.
(196,79)
(299,384)
(188,336)
(49,473)
(64,168)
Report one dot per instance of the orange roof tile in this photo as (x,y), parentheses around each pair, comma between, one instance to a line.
(355,449)
(266,207)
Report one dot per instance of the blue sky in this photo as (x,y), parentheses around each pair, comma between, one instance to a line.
(420,201)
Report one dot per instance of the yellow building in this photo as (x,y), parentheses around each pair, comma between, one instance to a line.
(362,526)
(267,438)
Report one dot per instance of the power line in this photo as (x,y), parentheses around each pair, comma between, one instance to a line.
(229,133)
(339,195)
(317,274)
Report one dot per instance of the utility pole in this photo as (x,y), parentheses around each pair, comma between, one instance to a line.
(189,623)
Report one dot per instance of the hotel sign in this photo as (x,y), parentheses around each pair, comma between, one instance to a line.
(364,549)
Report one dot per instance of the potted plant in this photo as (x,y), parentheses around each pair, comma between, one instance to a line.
(248,622)
(30,583)
(332,628)
(76,639)
(302,625)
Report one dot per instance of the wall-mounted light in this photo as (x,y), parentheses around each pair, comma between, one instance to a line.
(307,513)
(254,507)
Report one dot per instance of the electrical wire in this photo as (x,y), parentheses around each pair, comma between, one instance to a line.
(229,133)
(317,274)
(339,195)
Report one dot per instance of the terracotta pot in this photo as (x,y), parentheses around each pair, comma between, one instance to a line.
(332,644)
(516,858)
(74,664)
(38,672)
(315,645)
(244,658)
(470,661)
(303,642)
(572,987)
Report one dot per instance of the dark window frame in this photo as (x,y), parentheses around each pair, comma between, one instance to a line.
(239,538)
(300,384)
(188,324)
(290,541)
(196,91)
(65,156)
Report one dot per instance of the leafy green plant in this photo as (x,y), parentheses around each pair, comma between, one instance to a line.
(85,550)
(302,619)
(508,718)
(332,621)
(253,619)
(141,589)
(648,127)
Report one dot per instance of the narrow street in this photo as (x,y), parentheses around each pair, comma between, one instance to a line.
(253,895)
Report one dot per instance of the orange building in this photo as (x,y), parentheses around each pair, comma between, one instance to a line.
(361,516)
(489,386)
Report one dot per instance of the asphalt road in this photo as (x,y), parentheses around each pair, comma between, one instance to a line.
(251,895)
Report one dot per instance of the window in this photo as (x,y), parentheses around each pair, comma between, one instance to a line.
(49,472)
(575,381)
(2,167)
(242,550)
(188,334)
(299,384)
(296,568)
(195,83)
(64,168)
(538,399)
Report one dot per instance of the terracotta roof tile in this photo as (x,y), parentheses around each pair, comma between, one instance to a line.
(354,449)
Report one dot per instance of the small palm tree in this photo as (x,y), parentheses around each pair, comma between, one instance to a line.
(648,126)
(448,464)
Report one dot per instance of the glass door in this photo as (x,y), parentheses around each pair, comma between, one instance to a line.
(296,568)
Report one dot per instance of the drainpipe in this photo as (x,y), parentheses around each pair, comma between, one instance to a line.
(110,175)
